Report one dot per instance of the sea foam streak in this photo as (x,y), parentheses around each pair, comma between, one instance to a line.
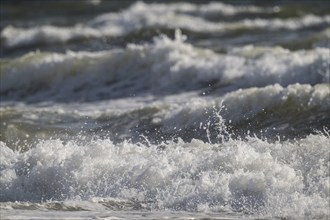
(161,67)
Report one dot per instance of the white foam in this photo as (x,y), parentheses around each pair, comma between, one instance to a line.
(141,15)
(17,37)
(160,67)
(270,179)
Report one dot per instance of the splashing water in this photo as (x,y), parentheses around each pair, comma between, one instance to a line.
(164,110)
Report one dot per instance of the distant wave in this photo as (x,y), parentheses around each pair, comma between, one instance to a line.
(140,16)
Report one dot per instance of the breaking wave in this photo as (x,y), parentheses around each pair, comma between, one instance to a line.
(161,67)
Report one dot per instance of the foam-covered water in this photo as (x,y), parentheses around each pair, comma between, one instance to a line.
(165,110)
(251,175)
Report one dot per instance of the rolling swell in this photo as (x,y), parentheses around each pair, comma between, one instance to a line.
(270,112)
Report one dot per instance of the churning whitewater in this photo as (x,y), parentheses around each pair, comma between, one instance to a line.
(141,110)
(251,175)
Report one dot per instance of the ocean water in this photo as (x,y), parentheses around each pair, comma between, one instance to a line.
(164,109)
